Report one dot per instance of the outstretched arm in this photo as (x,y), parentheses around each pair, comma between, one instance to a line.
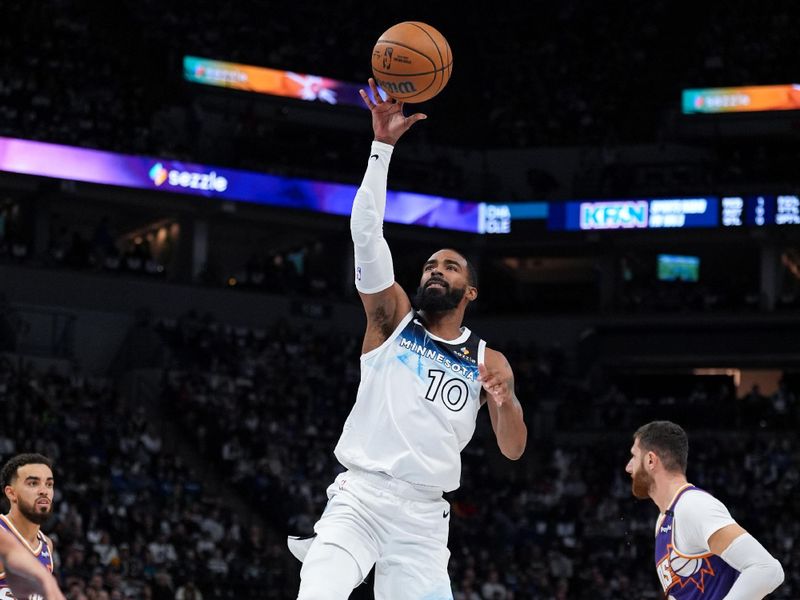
(26,575)
(384,300)
(505,411)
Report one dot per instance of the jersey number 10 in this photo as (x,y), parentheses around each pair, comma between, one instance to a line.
(453,392)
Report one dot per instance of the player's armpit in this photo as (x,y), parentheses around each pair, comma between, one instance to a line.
(384,312)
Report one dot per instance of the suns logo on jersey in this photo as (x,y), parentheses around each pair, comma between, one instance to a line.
(676,569)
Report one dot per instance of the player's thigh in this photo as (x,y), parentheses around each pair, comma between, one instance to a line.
(416,572)
(329,572)
(350,523)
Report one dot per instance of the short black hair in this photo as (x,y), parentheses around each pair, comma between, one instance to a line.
(9,472)
(668,440)
(472,273)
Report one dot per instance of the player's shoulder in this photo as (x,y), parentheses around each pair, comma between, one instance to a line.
(494,359)
(695,501)
(47,540)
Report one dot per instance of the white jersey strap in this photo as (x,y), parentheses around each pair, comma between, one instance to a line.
(482,352)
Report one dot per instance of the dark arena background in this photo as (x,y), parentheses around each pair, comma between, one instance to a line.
(179,328)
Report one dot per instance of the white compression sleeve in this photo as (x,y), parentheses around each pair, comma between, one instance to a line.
(329,572)
(760,573)
(374,269)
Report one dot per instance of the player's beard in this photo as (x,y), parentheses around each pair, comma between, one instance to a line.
(434,300)
(641,482)
(35,514)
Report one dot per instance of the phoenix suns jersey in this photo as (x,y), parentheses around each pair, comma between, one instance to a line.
(689,576)
(416,406)
(41,551)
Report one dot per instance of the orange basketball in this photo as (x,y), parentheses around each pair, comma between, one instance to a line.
(412,61)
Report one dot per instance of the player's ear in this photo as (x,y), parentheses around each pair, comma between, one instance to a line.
(472,293)
(651,459)
(11,495)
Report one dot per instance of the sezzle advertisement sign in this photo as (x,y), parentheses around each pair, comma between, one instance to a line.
(187,179)
(141,172)
(741,99)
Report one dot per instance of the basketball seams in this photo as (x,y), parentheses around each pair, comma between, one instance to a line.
(681,562)
(409,32)
(449,60)
(435,45)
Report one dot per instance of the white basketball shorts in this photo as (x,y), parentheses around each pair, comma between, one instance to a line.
(400,528)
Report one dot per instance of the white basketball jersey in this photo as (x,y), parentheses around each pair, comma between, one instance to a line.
(416,406)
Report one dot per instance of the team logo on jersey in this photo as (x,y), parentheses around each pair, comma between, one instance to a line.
(676,569)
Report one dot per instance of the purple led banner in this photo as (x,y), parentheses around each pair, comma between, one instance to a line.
(95,166)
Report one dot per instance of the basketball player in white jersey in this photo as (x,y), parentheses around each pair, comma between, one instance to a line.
(28,485)
(423,379)
(701,553)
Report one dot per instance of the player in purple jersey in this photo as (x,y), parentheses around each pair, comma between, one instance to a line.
(30,577)
(28,485)
(701,553)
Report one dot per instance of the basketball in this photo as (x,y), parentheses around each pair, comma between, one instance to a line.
(683,566)
(412,61)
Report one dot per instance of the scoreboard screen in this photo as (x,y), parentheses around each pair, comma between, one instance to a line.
(758,211)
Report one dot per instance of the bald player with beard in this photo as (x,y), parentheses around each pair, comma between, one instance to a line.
(28,485)
(701,553)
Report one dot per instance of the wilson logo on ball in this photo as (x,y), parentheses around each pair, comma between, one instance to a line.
(397,87)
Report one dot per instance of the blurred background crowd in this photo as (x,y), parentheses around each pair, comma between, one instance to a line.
(192,493)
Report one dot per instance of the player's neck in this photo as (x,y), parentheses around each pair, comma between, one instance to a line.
(664,490)
(27,529)
(445,325)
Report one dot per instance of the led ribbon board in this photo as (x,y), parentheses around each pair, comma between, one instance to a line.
(645,213)
(274,82)
(154,174)
(742,99)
